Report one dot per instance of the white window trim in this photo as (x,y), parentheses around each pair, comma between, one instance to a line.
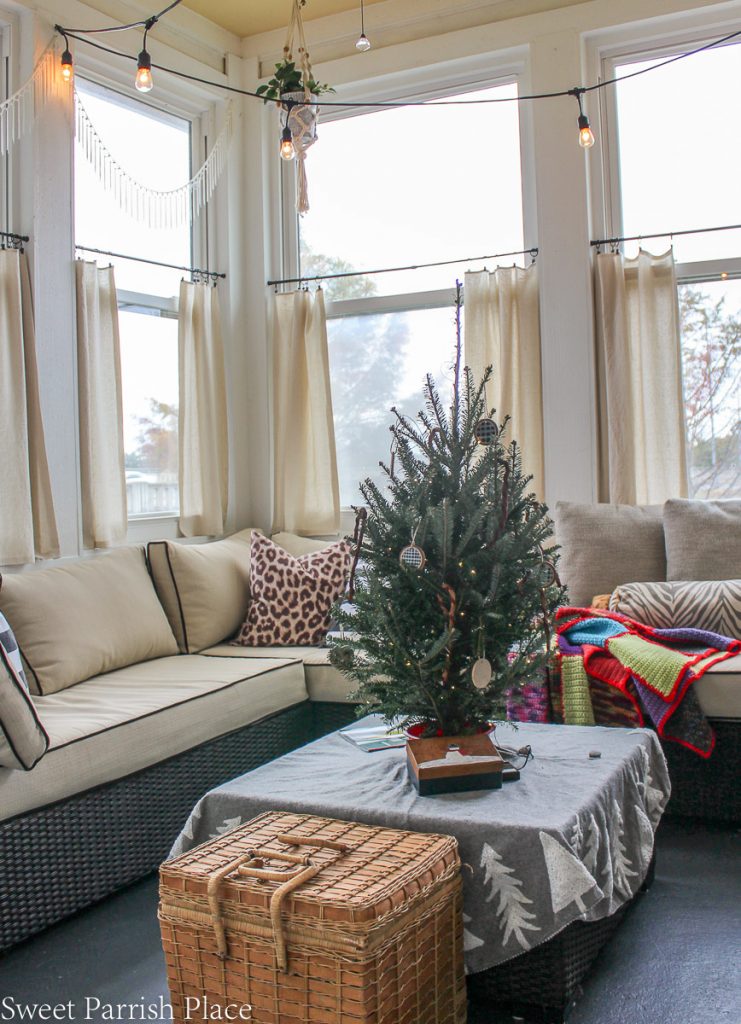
(451,78)
(170,104)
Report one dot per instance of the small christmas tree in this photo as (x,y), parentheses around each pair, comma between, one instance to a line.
(455,588)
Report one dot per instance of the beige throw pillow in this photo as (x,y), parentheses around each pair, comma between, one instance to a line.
(80,620)
(204,588)
(703,539)
(604,545)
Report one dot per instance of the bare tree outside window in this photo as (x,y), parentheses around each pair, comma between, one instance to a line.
(711,365)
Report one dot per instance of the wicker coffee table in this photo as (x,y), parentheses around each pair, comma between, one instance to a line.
(551,862)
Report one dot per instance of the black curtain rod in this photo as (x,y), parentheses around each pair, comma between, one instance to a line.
(393,270)
(663,234)
(154,263)
(16,237)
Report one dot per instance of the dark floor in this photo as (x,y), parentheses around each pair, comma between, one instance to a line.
(675,960)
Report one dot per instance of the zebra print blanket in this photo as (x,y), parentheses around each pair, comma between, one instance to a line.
(616,671)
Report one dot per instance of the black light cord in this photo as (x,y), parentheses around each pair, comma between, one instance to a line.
(144,23)
(577,91)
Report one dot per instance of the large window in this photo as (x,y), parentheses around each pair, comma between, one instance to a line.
(394,188)
(155,149)
(678,169)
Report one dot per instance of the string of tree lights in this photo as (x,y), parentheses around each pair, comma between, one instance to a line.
(144,80)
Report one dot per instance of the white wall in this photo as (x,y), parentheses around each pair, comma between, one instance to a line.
(560,48)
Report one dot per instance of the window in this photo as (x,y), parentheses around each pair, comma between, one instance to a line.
(395,188)
(678,163)
(155,148)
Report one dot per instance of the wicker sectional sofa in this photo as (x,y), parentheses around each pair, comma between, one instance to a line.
(146,706)
(605,546)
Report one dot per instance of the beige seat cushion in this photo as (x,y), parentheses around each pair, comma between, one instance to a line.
(323,681)
(113,725)
(703,539)
(719,690)
(204,588)
(80,620)
(605,545)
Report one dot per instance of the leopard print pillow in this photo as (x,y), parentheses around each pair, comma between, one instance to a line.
(291,598)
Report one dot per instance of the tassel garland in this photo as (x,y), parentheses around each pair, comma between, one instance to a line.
(153,208)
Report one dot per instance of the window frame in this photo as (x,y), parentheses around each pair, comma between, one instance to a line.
(690,272)
(437,82)
(171,98)
(606,174)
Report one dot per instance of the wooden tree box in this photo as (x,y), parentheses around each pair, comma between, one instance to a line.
(454,764)
(295,919)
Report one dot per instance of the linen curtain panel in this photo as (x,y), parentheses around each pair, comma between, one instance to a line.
(28,527)
(640,409)
(202,423)
(502,330)
(102,474)
(306,495)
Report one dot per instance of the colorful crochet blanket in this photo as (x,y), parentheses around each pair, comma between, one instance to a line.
(615,671)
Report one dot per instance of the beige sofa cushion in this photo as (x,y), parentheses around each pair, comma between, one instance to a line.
(117,724)
(80,620)
(605,545)
(324,682)
(703,540)
(204,588)
(719,690)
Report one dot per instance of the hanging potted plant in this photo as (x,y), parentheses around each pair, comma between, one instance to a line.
(295,91)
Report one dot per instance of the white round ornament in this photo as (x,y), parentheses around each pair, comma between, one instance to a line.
(481,673)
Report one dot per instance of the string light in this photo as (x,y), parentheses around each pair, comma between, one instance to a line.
(287,150)
(67,68)
(363,42)
(143,80)
(586,135)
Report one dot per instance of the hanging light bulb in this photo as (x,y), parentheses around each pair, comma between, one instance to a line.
(287,150)
(586,135)
(363,42)
(143,80)
(67,68)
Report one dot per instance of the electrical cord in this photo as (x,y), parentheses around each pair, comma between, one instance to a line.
(577,91)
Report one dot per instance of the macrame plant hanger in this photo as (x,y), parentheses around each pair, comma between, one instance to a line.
(299,109)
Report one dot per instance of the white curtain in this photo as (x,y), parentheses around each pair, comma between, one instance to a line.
(202,422)
(641,441)
(102,474)
(502,330)
(306,487)
(27,523)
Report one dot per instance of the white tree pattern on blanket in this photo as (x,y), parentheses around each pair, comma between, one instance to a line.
(226,826)
(654,798)
(514,918)
(621,864)
(569,879)
(470,941)
(591,849)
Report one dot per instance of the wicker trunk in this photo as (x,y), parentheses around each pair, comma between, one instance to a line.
(292,919)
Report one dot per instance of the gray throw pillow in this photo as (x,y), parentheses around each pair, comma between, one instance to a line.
(604,545)
(23,739)
(703,539)
(698,604)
